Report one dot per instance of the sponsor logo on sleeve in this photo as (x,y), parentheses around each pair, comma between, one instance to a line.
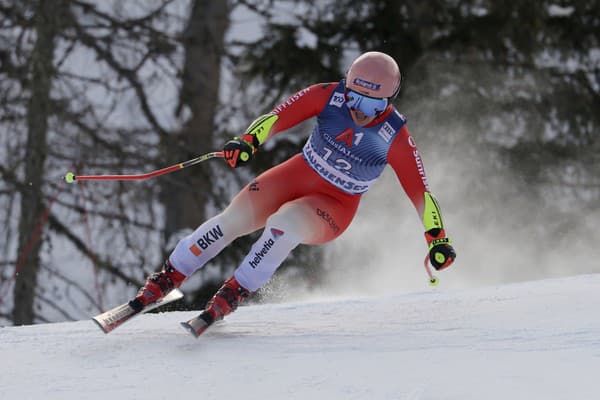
(386,132)
(421,169)
(411,142)
(337,99)
(291,100)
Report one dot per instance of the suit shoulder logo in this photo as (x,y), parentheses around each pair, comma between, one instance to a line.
(386,132)
(337,99)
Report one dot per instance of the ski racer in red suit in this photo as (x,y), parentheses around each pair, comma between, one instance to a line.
(312,197)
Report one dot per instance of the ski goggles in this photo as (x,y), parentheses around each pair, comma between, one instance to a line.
(370,106)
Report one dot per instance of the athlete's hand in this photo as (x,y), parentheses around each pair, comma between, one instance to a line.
(441,252)
(239,150)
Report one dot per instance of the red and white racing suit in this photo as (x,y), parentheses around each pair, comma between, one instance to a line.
(312,197)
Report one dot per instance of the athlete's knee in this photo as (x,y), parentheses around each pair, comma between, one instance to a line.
(238,217)
(293,219)
(194,250)
(180,259)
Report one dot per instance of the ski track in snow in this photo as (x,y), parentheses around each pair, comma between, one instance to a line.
(533,340)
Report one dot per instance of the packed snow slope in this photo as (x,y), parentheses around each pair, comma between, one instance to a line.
(535,340)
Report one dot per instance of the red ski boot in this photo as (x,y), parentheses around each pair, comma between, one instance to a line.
(157,286)
(224,302)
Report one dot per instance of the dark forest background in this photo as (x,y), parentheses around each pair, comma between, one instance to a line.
(502,97)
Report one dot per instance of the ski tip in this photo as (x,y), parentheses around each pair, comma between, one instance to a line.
(176,294)
(100,325)
(190,329)
(197,326)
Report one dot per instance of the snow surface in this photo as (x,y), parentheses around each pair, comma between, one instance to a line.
(533,340)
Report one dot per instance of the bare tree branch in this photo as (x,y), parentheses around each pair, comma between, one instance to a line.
(54,305)
(60,228)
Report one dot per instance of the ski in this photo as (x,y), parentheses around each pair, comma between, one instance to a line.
(196,326)
(112,319)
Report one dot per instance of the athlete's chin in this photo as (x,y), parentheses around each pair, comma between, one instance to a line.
(360,118)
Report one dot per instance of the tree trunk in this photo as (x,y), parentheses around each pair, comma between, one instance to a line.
(185,193)
(41,70)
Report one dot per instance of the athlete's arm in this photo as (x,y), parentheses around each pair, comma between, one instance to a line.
(299,107)
(303,105)
(404,158)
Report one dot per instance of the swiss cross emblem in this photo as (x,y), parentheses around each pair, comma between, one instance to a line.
(346,136)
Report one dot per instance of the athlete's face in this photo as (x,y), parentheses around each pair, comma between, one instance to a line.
(363,108)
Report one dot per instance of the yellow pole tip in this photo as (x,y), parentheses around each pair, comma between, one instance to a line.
(70,177)
(434,281)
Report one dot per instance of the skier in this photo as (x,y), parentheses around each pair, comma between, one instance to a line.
(312,197)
